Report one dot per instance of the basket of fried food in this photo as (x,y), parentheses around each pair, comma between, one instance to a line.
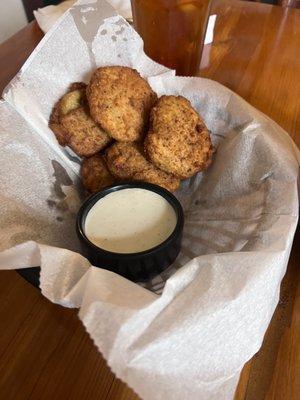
(124,132)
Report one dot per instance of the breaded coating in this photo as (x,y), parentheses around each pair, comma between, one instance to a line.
(158,177)
(85,137)
(120,101)
(127,161)
(77,86)
(94,173)
(178,141)
(70,101)
(54,124)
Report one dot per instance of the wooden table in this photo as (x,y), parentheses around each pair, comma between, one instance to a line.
(44,350)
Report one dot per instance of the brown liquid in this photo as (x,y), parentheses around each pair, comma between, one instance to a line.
(173,31)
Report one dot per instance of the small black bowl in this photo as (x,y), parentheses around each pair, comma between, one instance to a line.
(138,267)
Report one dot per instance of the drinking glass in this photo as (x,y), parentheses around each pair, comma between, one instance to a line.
(173,31)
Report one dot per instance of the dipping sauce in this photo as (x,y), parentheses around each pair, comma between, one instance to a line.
(130,221)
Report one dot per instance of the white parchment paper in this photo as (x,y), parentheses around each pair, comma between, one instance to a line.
(47,16)
(189,337)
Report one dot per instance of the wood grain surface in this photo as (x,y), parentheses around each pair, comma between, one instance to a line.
(256,53)
(44,350)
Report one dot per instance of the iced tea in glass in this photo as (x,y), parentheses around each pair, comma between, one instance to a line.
(173,31)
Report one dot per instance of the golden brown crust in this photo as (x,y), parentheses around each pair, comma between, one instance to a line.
(94,173)
(70,101)
(178,141)
(77,86)
(85,138)
(58,110)
(127,161)
(120,101)
(54,124)
(158,177)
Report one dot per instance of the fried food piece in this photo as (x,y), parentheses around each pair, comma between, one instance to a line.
(70,101)
(127,161)
(85,137)
(94,173)
(120,101)
(178,141)
(72,125)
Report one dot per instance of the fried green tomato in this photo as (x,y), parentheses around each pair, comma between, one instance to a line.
(72,125)
(85,137)
(126,161)
(120,101)
(94,174)
(178,141)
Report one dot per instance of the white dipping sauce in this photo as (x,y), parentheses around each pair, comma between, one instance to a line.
(130,221)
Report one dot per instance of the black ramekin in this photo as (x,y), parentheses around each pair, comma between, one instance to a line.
(138,267)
